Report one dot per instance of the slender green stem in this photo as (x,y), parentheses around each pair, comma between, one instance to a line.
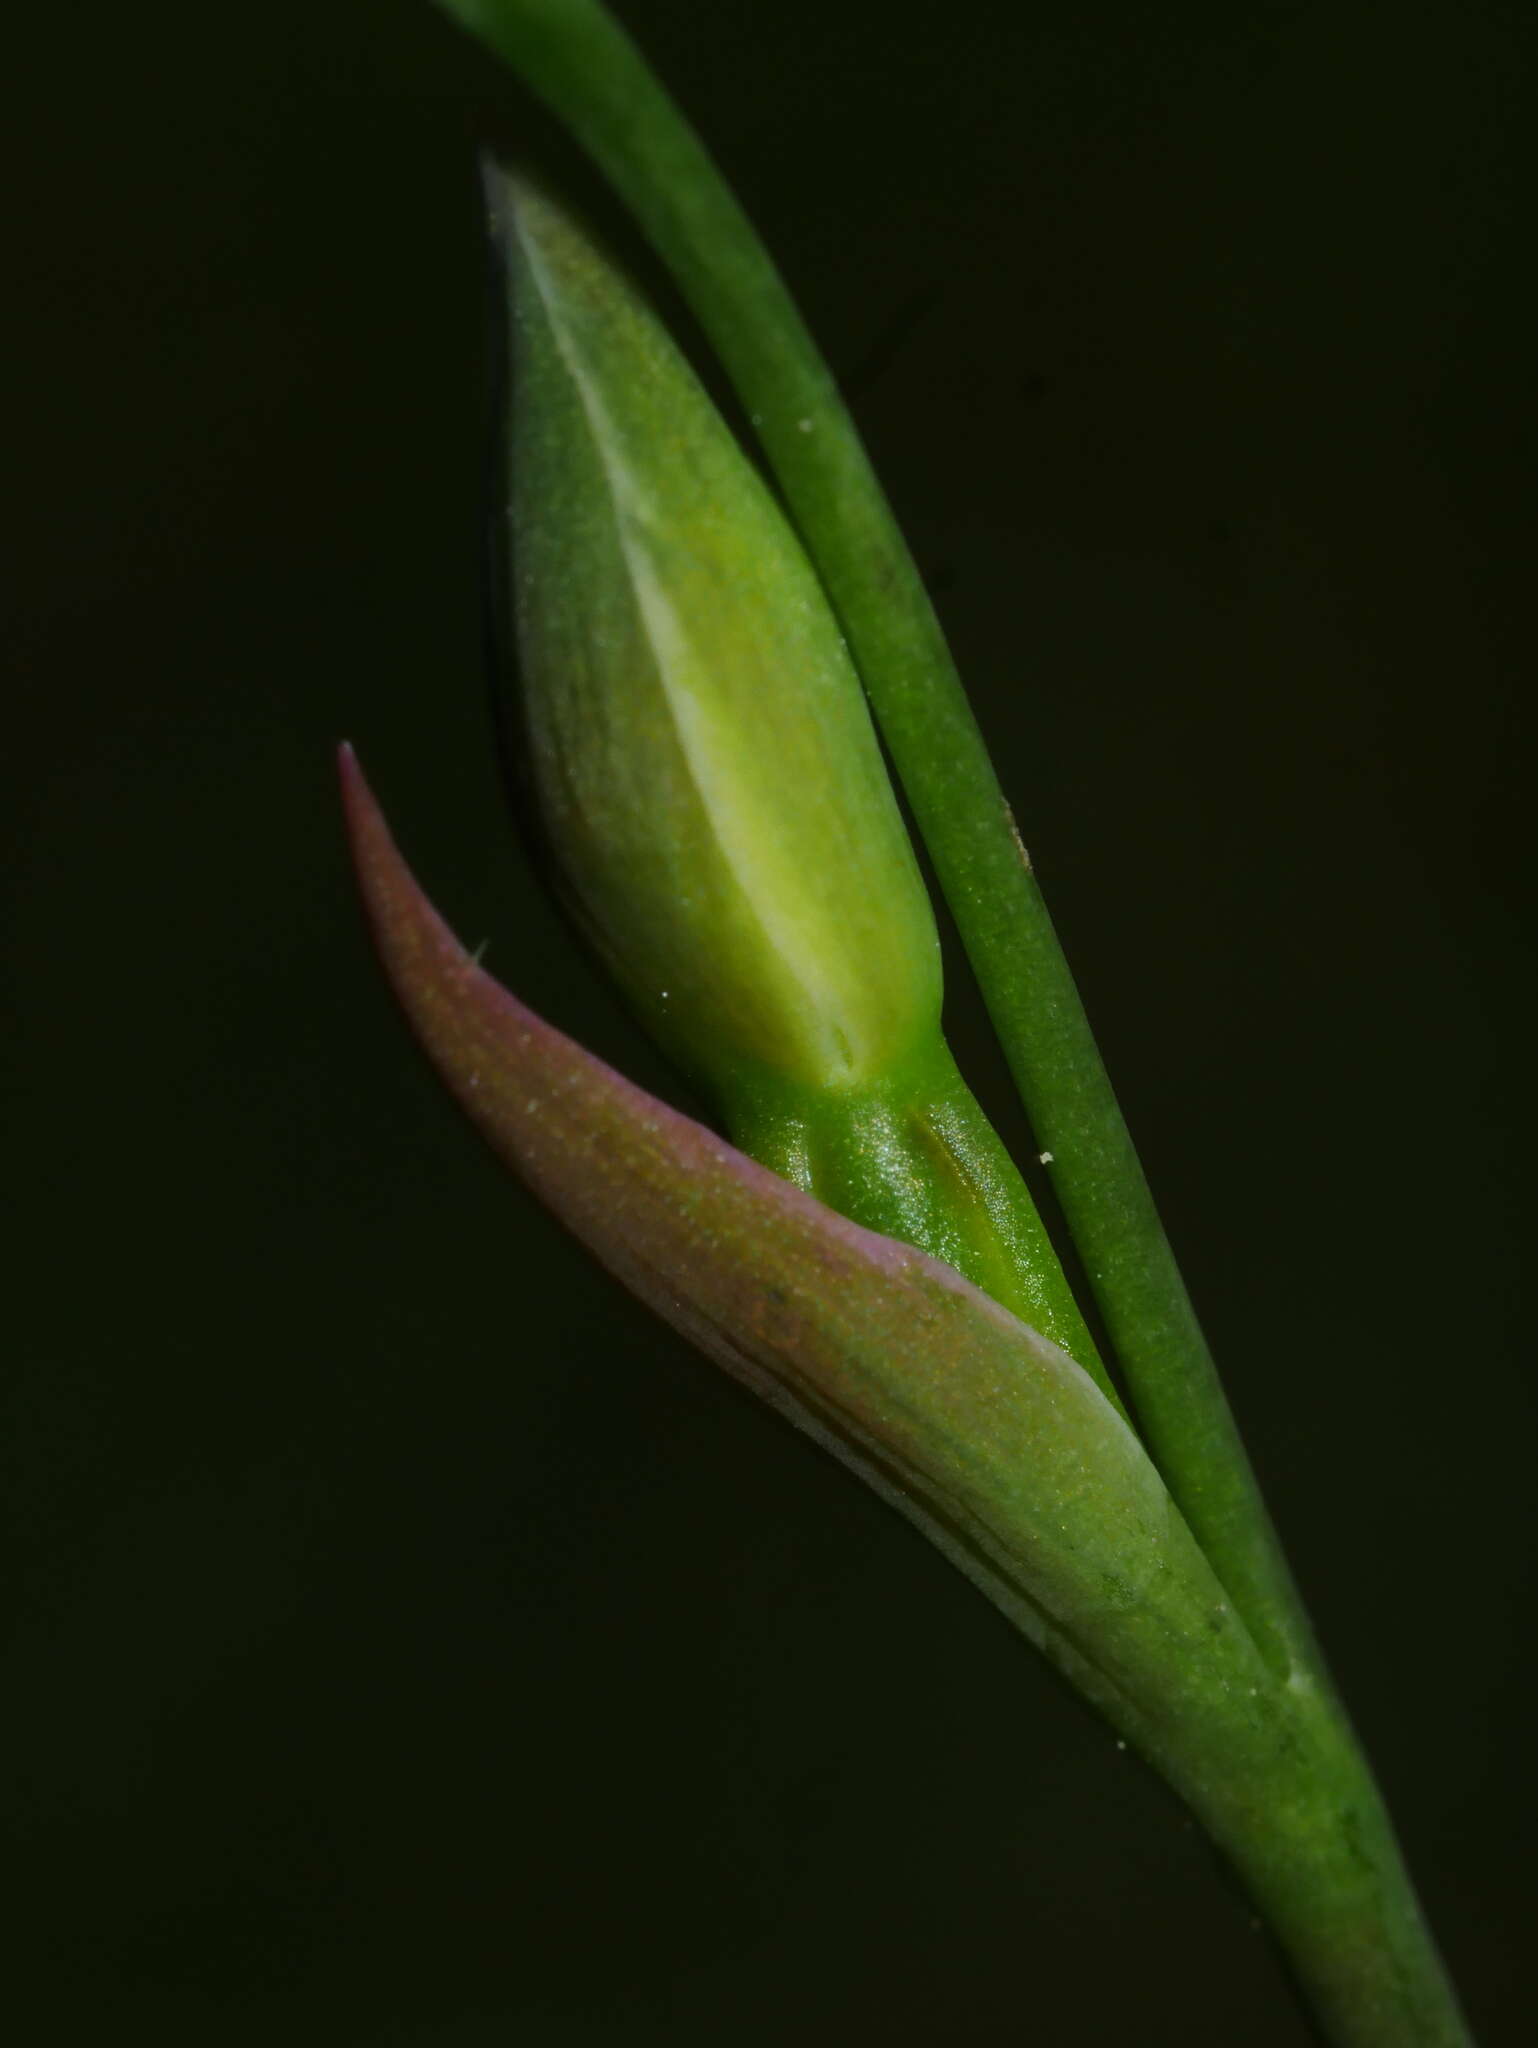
(577,58)
(1291,1801)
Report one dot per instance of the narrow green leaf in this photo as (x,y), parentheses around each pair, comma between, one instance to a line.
(986,1434)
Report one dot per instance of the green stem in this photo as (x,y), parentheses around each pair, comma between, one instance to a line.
(1290,1800)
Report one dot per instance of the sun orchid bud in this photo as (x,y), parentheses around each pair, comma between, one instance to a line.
(710,787)
(706,770)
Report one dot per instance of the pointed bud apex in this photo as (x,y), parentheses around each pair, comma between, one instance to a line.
(706,770)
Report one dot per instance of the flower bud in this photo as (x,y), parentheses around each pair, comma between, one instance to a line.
(705,766)
(710,785)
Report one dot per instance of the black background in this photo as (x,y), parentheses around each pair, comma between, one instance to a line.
(411,1643)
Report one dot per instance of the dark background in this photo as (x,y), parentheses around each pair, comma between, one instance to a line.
(414,1647)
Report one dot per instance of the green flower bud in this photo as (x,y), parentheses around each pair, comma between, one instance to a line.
(705,764)
(711,787)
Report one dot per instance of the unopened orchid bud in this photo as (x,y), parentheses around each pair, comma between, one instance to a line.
(707,773)
(710,786)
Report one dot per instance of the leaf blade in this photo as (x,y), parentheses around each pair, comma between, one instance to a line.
(980,1430)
